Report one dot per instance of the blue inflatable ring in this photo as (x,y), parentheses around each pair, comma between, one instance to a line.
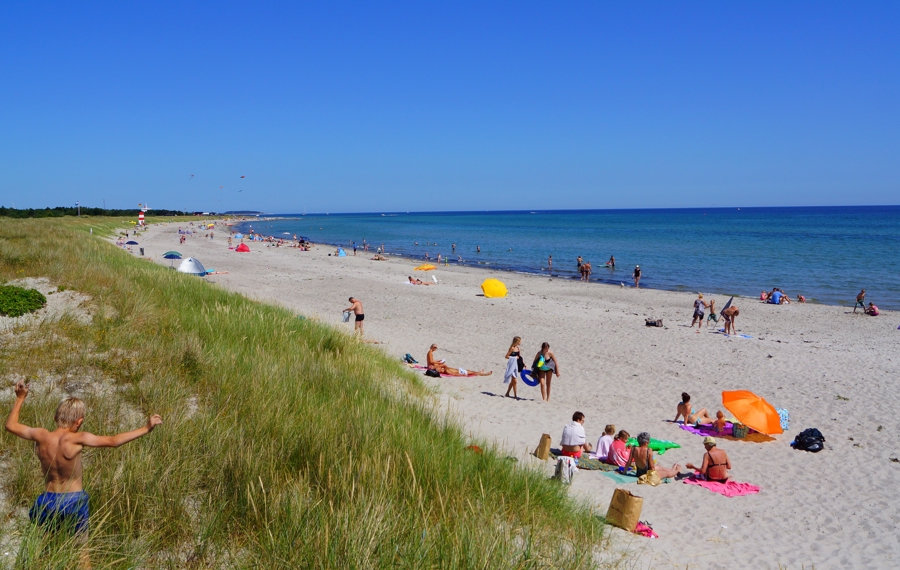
(526,378)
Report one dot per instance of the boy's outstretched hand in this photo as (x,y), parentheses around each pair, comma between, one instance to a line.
(154,421)
(21,389)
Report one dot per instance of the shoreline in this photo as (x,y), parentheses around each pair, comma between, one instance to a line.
(831,369)
(601,270)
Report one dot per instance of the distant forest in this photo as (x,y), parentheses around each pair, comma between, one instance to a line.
(60,211)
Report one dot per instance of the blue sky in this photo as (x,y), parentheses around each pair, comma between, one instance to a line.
(461,106)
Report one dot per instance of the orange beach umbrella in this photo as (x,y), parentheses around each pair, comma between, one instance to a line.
(752,411)
(426,267)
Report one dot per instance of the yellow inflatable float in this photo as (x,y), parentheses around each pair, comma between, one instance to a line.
(493,288)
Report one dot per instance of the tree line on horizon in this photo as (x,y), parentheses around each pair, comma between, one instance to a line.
(60,211)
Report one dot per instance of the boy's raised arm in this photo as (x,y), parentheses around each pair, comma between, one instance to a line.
(12,422)
(91,440)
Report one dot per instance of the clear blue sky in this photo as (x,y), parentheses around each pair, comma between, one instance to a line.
(375,106)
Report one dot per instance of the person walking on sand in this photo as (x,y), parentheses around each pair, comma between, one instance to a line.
(699,307)
(715,464)
(637,276)
(860,301)
(357,309)
(544,367)
(64,504)
(514,366)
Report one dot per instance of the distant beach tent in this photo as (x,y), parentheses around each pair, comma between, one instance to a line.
(242,248)
(493,288)
(238,236)
(425,267)
(753,411)
(192,267)
(341,252)
(131,242)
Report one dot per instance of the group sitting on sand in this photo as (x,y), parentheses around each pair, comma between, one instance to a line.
(441,367)
(615,451)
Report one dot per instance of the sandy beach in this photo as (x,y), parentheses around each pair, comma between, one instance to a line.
(831,369)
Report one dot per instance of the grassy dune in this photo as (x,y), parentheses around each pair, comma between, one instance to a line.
(286,444)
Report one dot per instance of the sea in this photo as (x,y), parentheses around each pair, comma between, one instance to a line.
(827,254)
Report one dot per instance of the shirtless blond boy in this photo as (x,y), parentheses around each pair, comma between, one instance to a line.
(64,501)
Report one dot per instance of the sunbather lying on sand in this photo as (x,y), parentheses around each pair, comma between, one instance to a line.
(685,410)
(440,366)
(417,282)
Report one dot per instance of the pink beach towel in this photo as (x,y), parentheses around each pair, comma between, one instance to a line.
(420,367)
(729,488)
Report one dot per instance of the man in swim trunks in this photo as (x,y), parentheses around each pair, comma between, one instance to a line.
(860,301)
(730,314)
(357,309)
(573,440)
(64,504)
(715,462)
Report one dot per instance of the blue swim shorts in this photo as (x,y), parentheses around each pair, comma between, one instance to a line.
(61,510)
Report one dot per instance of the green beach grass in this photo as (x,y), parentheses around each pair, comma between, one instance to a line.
(285,443)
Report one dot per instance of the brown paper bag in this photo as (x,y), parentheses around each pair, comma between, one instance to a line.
(543,448)
(624,510)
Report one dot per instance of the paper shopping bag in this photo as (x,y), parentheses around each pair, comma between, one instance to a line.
(624,510)
(543,448)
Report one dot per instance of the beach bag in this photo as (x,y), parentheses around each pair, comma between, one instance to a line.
(809,440)
(650,478)
(433,373)
(624,510)
(654,322)
(565,470)
(543,449)
(740,431)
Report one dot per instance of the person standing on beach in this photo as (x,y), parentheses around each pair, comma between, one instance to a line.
(550,264)
(514,366)
(699,308)
(543,367)
(64,503)
(357,309)
(730,314)
(580,262)
(860,301)
(637,276)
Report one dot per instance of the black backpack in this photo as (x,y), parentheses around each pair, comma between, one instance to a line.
(809,440)
(433,373)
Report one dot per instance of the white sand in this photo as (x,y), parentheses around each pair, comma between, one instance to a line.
(835,509)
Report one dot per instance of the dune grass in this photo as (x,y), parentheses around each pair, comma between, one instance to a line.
(285,443)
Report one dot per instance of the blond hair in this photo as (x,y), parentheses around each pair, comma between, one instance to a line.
(515,341)
(68,412)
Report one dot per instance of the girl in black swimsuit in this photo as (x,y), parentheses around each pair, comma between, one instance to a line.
(514,352)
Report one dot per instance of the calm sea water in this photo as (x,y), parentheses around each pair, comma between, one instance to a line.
(825,253)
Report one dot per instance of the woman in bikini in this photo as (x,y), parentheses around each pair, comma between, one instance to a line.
(715,462)
(686,410)
(642,459)
(514,365)
(543,368)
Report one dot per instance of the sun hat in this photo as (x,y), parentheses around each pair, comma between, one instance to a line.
(709,440)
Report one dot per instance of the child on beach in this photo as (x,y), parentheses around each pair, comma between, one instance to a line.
(720,422)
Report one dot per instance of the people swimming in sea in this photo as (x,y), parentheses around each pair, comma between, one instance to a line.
(612,261)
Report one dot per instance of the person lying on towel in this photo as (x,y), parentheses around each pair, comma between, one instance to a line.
(715,462)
